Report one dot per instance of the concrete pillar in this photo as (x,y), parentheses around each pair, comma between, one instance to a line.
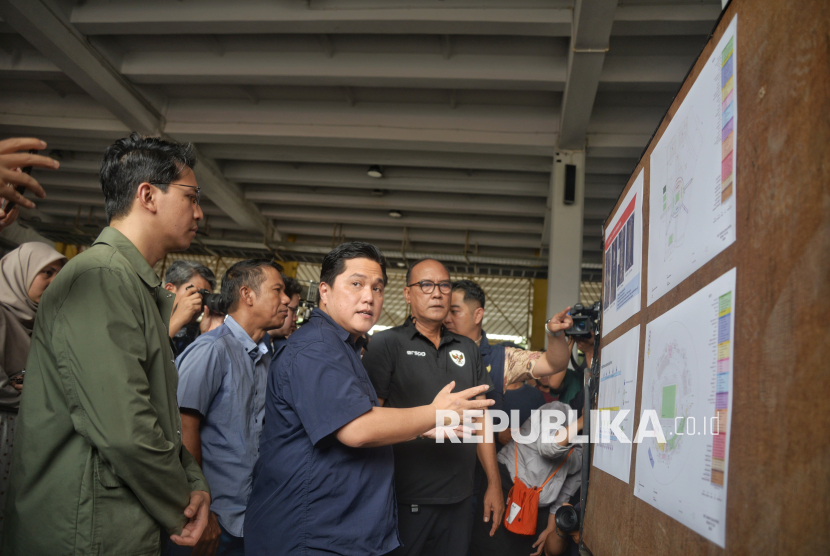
(565,249)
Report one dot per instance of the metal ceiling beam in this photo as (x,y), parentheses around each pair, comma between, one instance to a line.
(394,179)
(63,45)
(589,43)
(408,219)
(512,130)
(56,38)
(447,203)
(265,16)
(665,20)
(348,69)
(396,254)
(420,235)
(419,71)
(383,157)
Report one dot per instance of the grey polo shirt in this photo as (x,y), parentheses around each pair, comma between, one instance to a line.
(223,376)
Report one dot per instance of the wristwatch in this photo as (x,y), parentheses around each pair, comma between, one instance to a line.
(551,334)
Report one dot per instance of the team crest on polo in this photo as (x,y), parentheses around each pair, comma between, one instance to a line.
(457,357)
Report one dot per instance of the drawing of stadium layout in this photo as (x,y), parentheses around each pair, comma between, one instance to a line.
(672,394)
(683,151)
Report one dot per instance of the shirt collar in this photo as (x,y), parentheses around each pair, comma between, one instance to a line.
(112,237)
(254,350)
(341,332)
(484,344)
(446,335)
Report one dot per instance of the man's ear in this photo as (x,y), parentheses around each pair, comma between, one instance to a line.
(478,315)
(324,290)
(246,295)
(147,196)
(406,295)
(169,287)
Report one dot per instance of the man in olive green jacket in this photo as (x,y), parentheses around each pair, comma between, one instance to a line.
(99,466)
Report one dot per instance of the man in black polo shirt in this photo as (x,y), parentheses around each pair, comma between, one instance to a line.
(408,365)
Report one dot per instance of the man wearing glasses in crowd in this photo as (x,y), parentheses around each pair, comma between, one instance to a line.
(434,482)
(408,366)
(98,465)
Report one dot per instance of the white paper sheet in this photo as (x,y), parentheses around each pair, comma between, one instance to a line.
(624,260)
(617,392)
(692,180)
(687,380)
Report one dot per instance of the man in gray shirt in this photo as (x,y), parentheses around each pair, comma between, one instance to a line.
(222,381)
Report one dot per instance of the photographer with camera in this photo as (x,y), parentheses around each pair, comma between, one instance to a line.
(188,280)
(221,395)
(581,335)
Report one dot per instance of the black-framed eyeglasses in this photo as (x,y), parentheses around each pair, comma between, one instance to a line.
(428,286)
(197,188)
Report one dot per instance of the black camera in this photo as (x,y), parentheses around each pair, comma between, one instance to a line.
(214,302)
(586,320)
(567,519)
(309,299)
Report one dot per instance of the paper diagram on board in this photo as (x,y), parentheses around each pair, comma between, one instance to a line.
(672,394)
(624,260)
(692,175)
(687,383)
(684,151)
(617,392)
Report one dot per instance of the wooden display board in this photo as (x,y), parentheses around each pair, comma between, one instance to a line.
(778,499)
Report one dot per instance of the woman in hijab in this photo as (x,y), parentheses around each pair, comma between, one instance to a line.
(24,275)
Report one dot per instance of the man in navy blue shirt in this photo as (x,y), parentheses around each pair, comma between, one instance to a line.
(324,480)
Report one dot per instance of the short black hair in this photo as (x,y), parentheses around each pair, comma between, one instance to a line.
(334,263)
(292,287)
(419,261)
(248,273)
(181,271)
(136,159)
(472,291)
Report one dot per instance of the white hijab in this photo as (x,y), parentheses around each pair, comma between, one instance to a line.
(17,311)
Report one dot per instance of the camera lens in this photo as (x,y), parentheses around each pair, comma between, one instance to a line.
(567,519)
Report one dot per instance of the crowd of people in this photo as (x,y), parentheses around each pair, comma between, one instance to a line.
(135,418)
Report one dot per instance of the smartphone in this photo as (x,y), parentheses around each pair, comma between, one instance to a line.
(9,205)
